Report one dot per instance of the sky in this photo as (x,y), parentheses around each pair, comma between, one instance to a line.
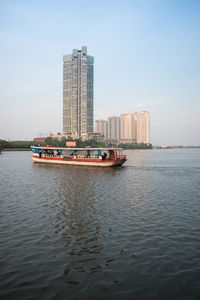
(146,57)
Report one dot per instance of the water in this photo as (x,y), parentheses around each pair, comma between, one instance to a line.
(131,232)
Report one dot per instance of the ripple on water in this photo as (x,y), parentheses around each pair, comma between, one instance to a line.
(124,233)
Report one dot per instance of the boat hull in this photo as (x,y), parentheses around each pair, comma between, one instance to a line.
(86,163)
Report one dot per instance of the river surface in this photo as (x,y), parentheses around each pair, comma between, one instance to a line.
(131,232)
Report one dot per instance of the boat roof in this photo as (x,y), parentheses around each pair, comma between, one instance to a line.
(69,148)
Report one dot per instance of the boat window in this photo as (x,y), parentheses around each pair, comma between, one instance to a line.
(36,150)
(111,154)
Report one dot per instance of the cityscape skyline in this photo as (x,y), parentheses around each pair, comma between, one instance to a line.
(127,128)
(147,56)
(78,104)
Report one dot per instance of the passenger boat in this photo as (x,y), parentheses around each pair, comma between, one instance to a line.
(94,157)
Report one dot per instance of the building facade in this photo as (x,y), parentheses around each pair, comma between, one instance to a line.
(114,129)
(143,127)
(101,126)
(78,93)
(130,128)
(134,127)
(126,128)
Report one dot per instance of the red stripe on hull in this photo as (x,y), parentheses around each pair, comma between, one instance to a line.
(71,159)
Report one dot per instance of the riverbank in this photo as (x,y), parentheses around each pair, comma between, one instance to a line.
(29,149)
(16,149)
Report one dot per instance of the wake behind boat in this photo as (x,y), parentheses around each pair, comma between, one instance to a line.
(95,157)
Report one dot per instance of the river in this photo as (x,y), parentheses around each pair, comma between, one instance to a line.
(131,232)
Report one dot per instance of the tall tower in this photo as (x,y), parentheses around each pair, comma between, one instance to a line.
(114,128)
(128,128)
(78,93)
(143,127)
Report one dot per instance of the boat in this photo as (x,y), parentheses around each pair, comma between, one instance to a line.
(166,147)
(94,157)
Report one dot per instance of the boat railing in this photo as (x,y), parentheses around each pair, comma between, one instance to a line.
(120,156)
(83,156)
(116,157)
(51,155)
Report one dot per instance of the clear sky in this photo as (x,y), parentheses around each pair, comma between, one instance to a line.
(147,56)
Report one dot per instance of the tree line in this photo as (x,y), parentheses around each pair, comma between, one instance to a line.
(62,142)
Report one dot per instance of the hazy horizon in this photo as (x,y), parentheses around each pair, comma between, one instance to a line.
(146,57)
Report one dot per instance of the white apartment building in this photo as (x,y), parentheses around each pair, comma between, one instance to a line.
(134,126)
(143,127)
(101,126)
(114,129)
(128,128)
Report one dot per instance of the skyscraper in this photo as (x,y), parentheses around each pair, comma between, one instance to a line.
(114,129)
(128,128)
(78,93)
(143,127)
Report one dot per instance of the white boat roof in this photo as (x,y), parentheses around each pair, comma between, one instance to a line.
(69,148)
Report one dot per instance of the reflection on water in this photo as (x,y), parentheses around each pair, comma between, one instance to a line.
(92,233)
(76,219)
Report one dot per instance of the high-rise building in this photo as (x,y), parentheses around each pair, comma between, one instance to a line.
(78,93)
(114,129)
(143,127)
(134,127)
(101,126)
(128,128)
